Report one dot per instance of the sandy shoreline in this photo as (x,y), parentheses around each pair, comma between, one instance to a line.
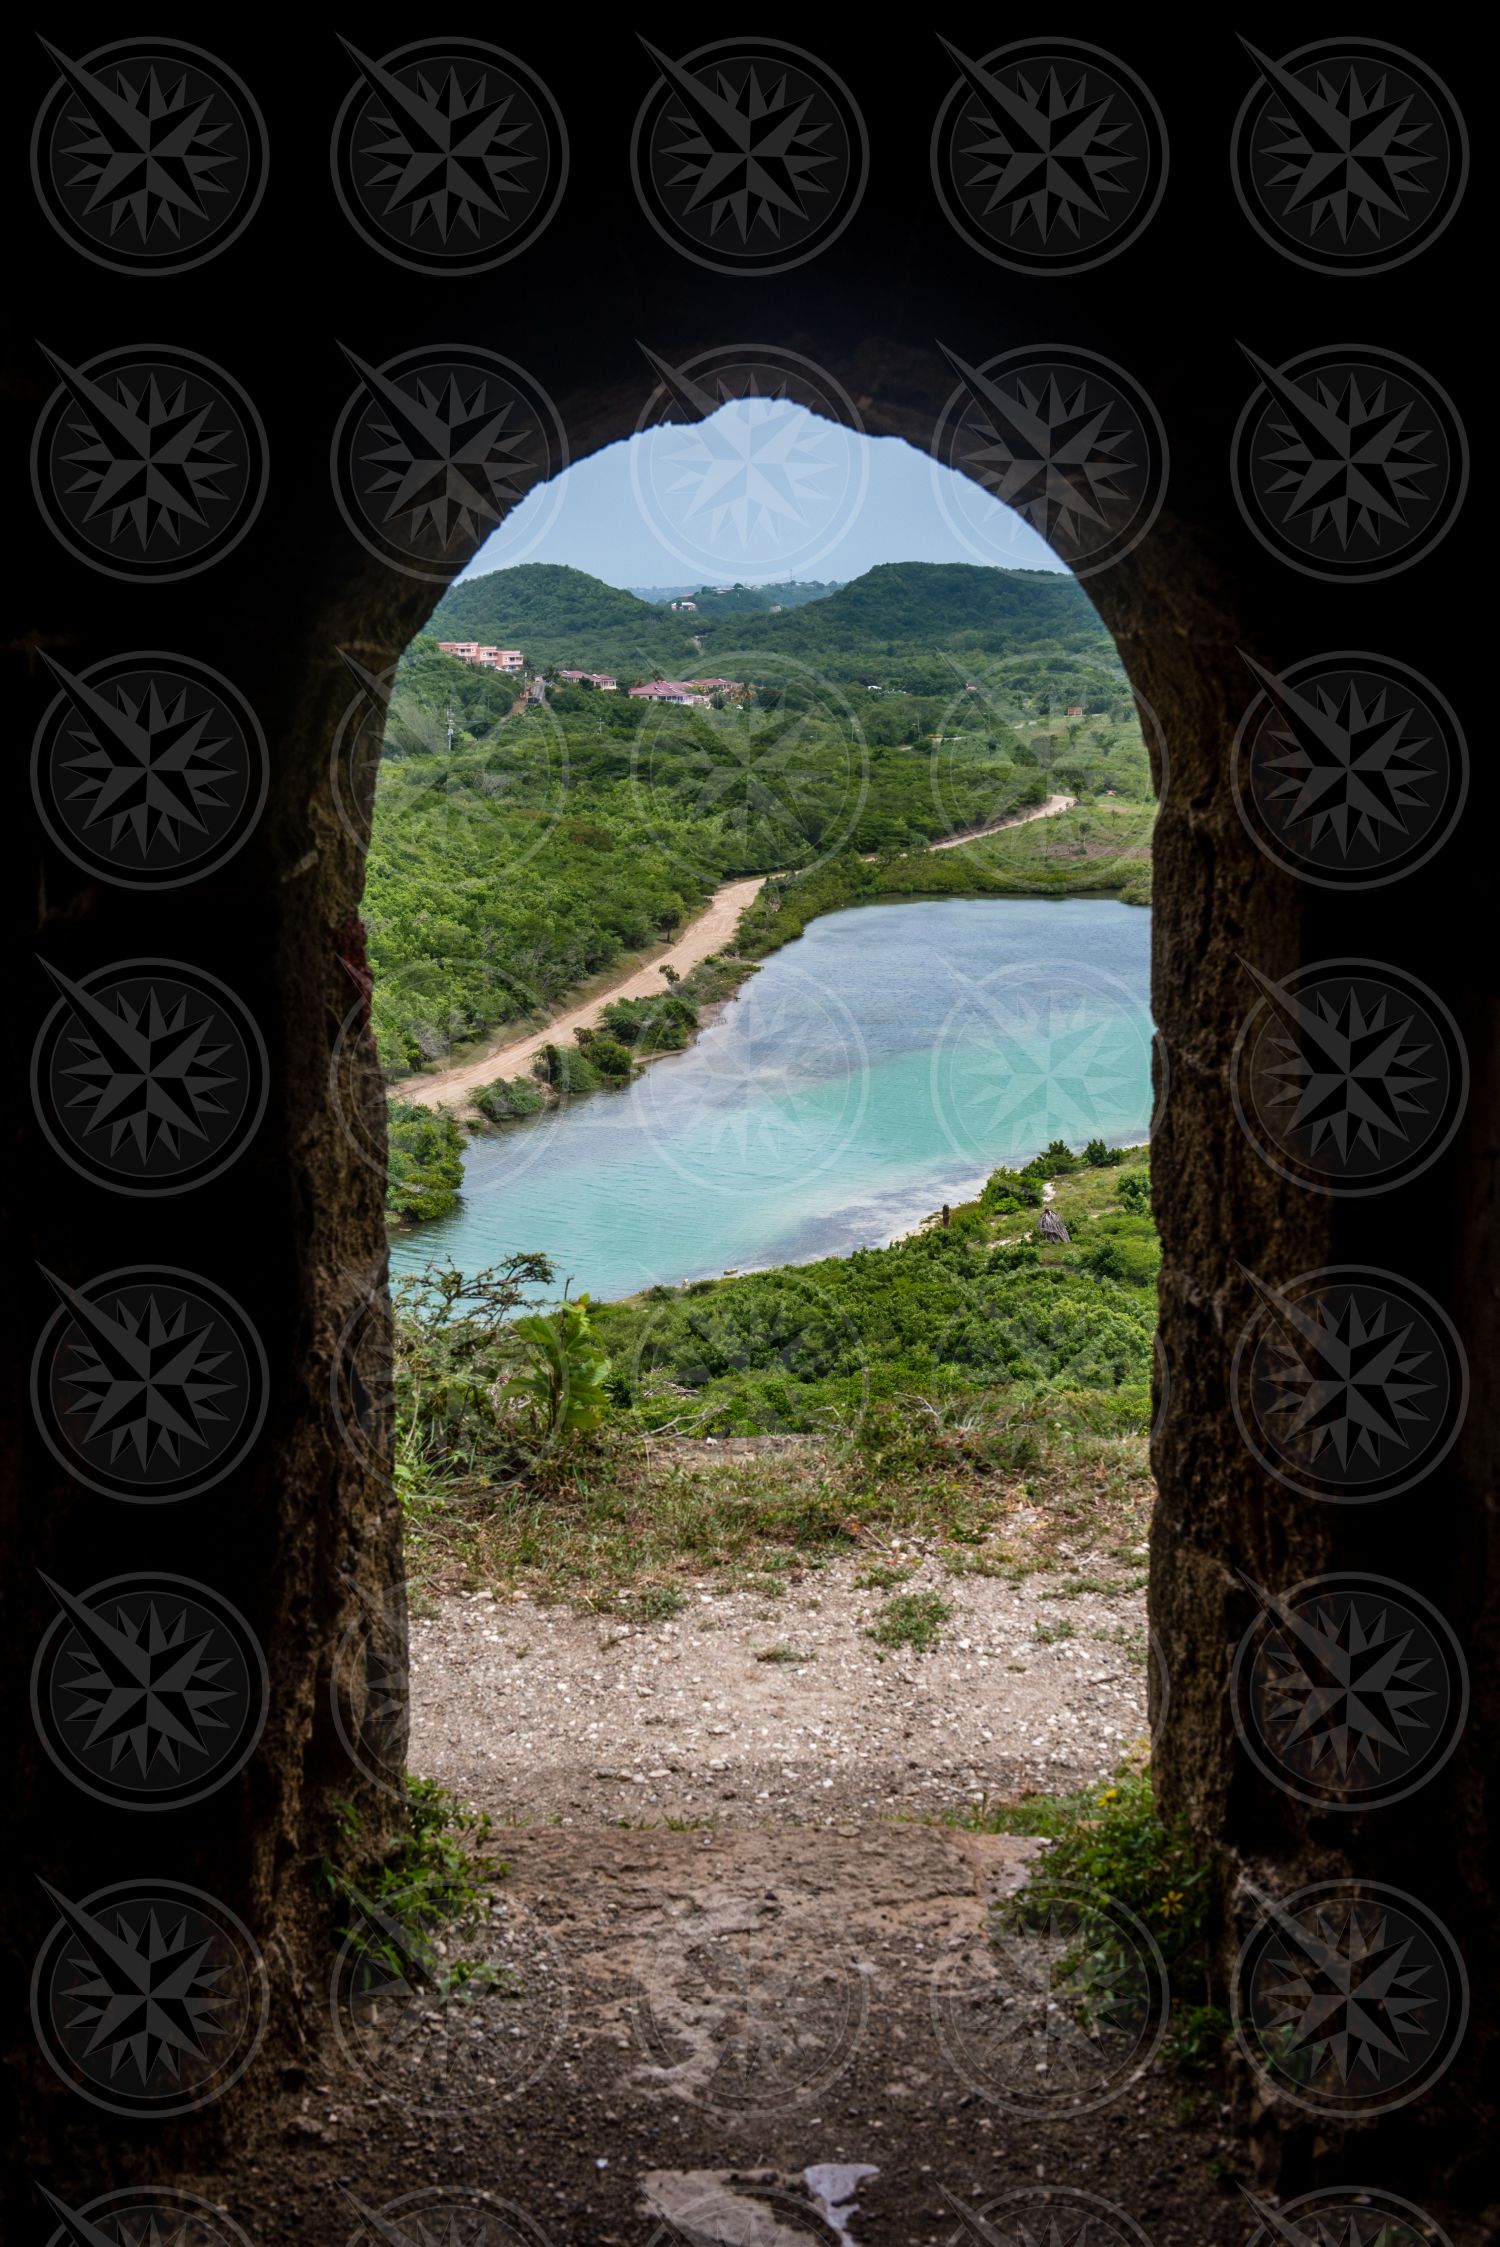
(714,927)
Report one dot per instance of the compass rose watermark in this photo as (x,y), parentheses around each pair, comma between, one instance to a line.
(725,2020)
(1065,439)
(369,1687)
(1348,1998)
(443,2216)
(1042,2216)
(1048,155)
(148,155)
(448,155)
(777,482)
(791,1089)
(148,770)
(1348,1076)
(435,450)
(781,776)
(1348,155)
(149,1691)
(472,1990)
(148,1383)
(399,721)
(1349,770)
(748,155)
(149,462)
(695,1341)
(149,1077)
(1349,1691)
(1348,462)
(1035,1052)
(1348,1384)
(142,2216)
(1053,2011)
(1343,2216)
(149,1998)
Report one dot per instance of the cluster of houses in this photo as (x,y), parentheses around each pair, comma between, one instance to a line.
(482,657)
(486,658)
(685,690)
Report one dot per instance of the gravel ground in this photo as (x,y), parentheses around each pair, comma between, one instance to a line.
(541,1713)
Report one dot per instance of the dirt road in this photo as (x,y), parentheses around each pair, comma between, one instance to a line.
(710,932)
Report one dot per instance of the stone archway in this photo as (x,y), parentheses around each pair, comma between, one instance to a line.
(306,1529)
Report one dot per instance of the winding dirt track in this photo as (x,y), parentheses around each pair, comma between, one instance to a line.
(710,932)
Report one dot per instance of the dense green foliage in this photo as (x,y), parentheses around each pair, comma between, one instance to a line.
(740,600)
(1111,1854)
(426,1164)
(510,1098)
(979,1305)
(518,849)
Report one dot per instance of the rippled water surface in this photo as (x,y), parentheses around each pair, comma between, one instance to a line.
(882,1064)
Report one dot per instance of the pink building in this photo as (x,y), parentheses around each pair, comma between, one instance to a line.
(668,690)
(599,679)
(483,657)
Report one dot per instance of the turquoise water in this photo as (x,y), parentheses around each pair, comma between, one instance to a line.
(881,1065)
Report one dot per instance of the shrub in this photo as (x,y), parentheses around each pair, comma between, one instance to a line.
(1135,1192)
(509,1098)
(1006,1191)
(567,1069)
(426,1169)
(607,1055)
(1099,1157)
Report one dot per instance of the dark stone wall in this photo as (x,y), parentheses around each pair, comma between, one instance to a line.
(306,1535)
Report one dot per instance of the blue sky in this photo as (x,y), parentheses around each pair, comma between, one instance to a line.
(759,491)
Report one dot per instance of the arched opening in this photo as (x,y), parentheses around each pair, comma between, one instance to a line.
(309,1530)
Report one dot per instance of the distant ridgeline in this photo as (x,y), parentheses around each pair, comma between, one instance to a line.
(522,846)
(740,600)
(906,627)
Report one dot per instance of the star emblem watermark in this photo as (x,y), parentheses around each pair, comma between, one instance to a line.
(733,1114)
(505,786)
(777,482)
(748,155)
(1348,155)
(1048,155)
(149,462)
(148,1383)
(1049,2013)
(369,1686)
(1348,1384)
(694,1340)
(435,450)
(148,1077)
(1348,462)
(1036,1052)
(148,1998)
(1343,2216)
(1348,1076)
(1348,1998)
(1042,2216)
(1064,438)
(149,1691)
(142,2216)
(780,778)
(1349,1691)
(725,2020)
(148,770)
(442,2216)
(422,2006)
(448,155)
(148,155)
(1349,770)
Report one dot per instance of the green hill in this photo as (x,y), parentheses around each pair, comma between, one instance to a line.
(741,600)
(563,616)
(906,627)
